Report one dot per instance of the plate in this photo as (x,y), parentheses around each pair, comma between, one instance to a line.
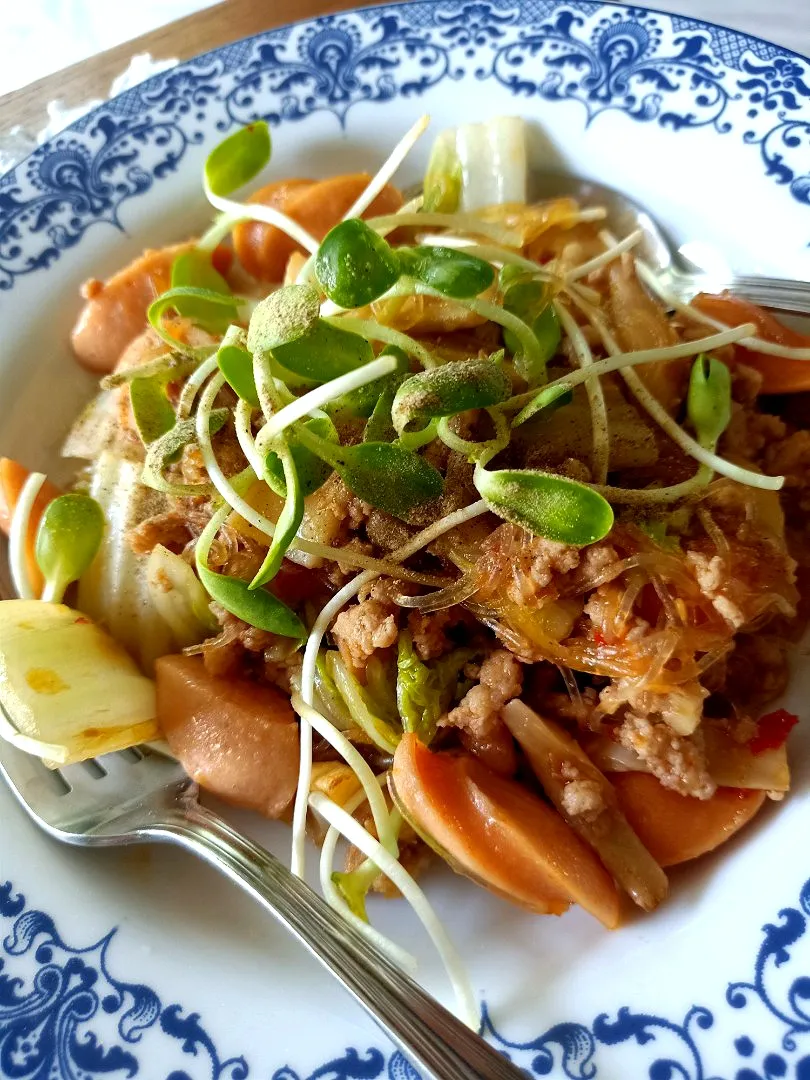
(143,963)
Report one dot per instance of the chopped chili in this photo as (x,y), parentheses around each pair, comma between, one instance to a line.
(772,731)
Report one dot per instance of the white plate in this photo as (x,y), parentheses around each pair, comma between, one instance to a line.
(712,130)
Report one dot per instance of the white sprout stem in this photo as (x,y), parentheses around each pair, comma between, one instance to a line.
(217,477)
(491,253)
(18,536)
(596,395)
(298,852)
(219,229)
(619,360)
(357,835)
(53,591)
(308,669)
(192,386)
(756,344)
(591,213)
(598,261)
(358,764)
(310,660)
(307,272)
(412,205)
(268,214)
(369,328)
(333,897)
(657,411)
(532,356)
(646,496)
(388,168)
(243,425)
(208,535)
(497,314)
(465,222)
(480,452)
(690,446)
(322,395)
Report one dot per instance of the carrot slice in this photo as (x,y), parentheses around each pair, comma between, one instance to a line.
(264,250)
(12,479)
(674,827)
(780,375)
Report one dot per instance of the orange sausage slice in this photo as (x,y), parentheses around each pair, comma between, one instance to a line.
(498,833)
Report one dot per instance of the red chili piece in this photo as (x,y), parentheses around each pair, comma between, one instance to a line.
(772,731)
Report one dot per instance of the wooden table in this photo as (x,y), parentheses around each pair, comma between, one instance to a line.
(784,21)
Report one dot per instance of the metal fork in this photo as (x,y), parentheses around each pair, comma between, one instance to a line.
(139,796)
(672,263)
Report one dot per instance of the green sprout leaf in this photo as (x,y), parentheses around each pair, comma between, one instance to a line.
(289,519)
(167,448)
(212,309)
(529,300)
(353,886)
(443,178)
(236,364)
(708,402)
(450,389)
(361,707)
(283,316)
(363,401)
(380,426)
(354,265)
(324,352)
(312,472)
(67,540)
(257,607)
(153,412)
(452,273)
(547,505)
(509,273)
(238,159)
(551,398)
(194,269)
(171,367)
(383,474)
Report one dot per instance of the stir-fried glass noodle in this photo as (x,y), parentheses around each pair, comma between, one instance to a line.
(436,528)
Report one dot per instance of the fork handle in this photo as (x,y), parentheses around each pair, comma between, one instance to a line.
(427,1033)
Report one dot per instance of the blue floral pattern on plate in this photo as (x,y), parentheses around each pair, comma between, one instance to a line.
(653,68)
(65,1016)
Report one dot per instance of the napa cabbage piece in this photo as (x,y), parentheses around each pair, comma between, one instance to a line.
(366,709)
(425,692)
(729,763)
(178,596)
(120,590)
(477,165)
(69,691)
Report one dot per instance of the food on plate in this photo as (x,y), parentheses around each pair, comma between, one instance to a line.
(436,524)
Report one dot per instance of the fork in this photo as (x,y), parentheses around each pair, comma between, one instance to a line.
(137,796)
(681,275)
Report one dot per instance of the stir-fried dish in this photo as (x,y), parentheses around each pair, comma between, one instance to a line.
(435,526)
